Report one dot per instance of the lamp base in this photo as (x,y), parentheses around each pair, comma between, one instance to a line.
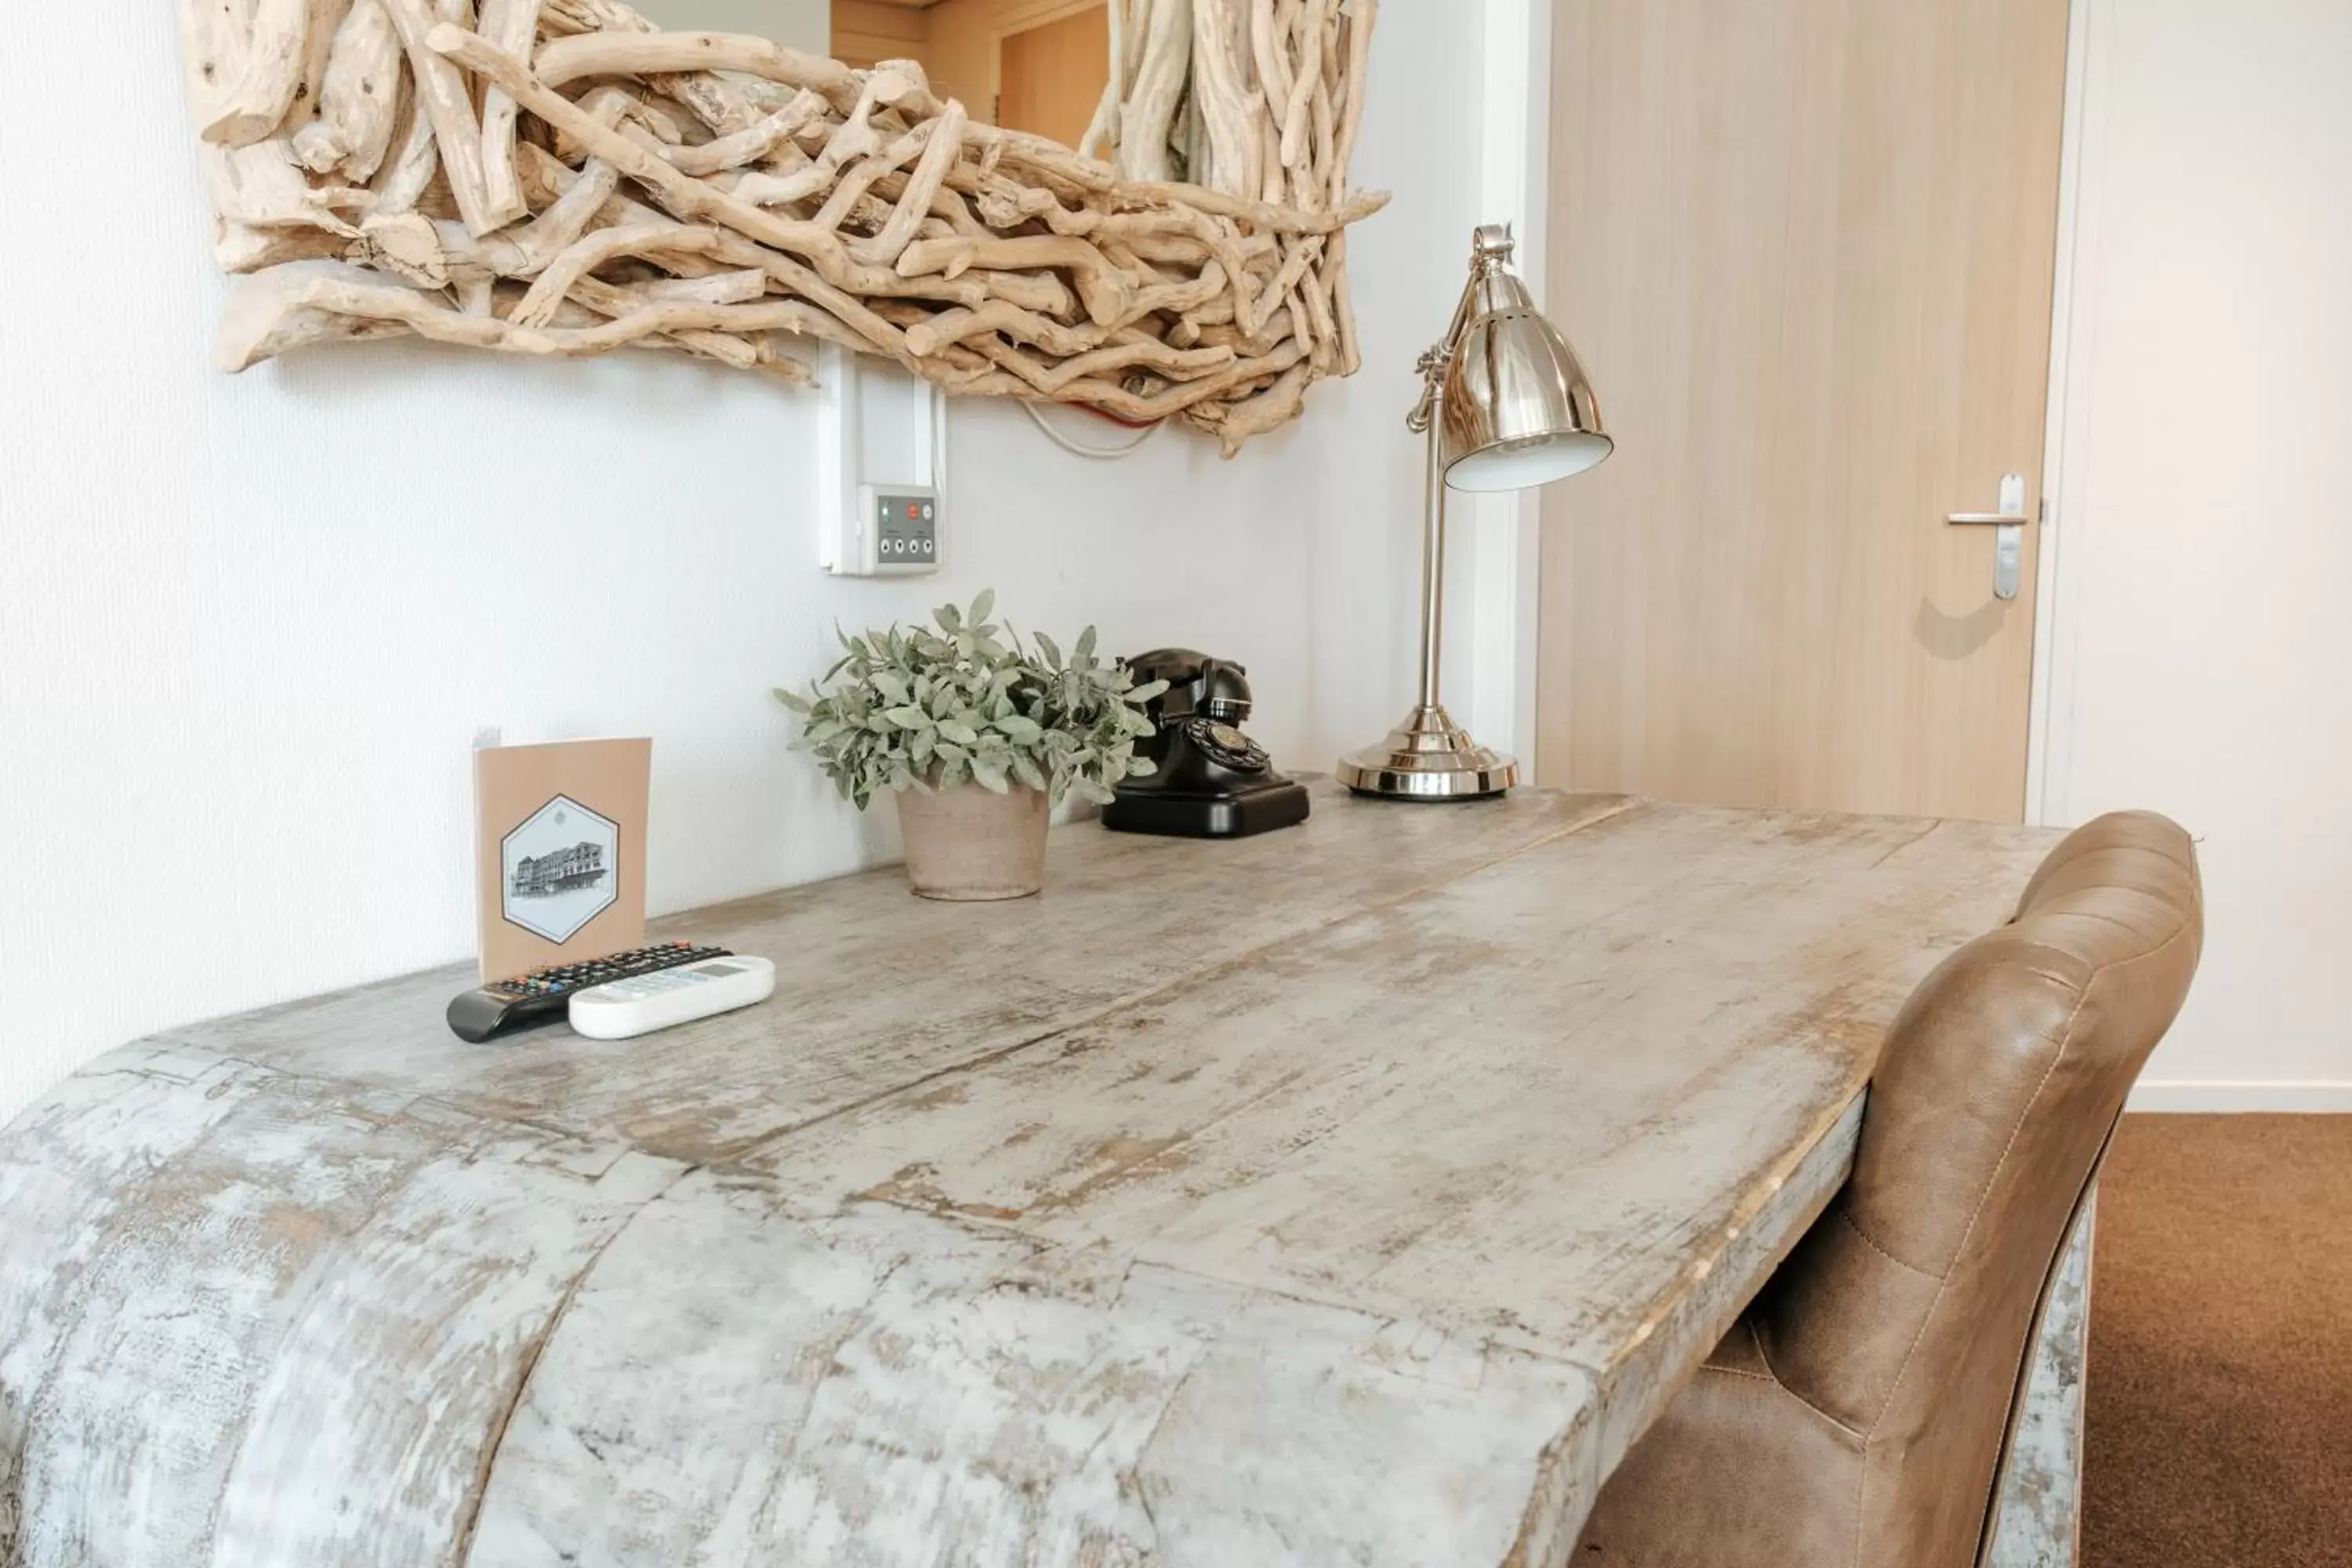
(1428,757)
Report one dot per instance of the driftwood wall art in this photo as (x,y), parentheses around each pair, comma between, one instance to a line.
(559,178)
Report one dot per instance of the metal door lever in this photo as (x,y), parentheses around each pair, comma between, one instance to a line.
(2008,541)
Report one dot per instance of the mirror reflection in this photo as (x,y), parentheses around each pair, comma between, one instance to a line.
(1026,65)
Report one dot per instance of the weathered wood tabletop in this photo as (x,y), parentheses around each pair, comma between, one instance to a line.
(1356,1195)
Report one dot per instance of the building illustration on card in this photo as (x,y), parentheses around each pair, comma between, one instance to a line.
(561,830)
(561,867)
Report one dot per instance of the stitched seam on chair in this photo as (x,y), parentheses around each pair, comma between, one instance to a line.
(2065,1043)
(1992,1180)
(1852,1224)
(1755,1338)
(2032,944)
(2082,848)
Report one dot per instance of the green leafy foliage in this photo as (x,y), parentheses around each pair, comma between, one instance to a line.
(963,702)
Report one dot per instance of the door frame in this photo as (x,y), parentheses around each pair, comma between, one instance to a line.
(2050,743)
(1502,555)
(1499,552)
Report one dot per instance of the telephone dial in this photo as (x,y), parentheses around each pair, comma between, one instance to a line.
(1208,780)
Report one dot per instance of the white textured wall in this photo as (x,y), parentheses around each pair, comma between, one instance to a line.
(249,625)
(2203,663)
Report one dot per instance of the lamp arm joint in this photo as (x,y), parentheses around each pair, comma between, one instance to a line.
(1432,368)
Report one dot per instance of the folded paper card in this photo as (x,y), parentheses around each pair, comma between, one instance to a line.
(560,835)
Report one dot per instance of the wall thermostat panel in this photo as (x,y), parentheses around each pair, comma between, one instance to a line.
(881,468)
(904,532)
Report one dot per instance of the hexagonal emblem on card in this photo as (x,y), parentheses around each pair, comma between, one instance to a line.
(560,869)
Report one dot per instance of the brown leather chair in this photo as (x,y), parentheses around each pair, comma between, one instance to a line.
(1858,1414)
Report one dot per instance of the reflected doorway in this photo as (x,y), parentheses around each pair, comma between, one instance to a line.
(1028,65)
(1050,79)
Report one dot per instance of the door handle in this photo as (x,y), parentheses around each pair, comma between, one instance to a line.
(2008,536)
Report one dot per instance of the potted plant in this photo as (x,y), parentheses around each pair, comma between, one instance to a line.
(977,737)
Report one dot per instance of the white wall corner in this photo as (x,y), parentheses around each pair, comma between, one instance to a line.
(2303,1098)
(1498,535)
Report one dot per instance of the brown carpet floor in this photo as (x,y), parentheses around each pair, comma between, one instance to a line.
(2220,1425)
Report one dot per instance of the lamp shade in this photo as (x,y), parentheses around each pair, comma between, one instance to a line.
(1519,411)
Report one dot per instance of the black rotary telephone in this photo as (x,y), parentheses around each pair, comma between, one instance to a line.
(1208,780)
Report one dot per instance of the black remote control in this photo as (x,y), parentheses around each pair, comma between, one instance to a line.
(545,994)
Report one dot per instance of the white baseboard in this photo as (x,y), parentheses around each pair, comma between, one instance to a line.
(2316,1096)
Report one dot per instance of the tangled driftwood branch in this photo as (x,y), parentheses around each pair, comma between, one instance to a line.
(558,177)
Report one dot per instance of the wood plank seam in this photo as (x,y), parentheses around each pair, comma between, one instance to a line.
(463,1547)
(1179,984)
(181,1040)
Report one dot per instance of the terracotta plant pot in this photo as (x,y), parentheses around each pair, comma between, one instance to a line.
(971,845)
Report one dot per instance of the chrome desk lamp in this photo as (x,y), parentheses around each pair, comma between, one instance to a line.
(1506,406)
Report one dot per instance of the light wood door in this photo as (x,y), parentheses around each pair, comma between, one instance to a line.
(1052,77)
(1806,249)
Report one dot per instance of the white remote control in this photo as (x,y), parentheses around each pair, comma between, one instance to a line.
(624,1009)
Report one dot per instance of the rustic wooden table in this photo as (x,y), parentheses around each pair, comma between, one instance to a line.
(1352,1194)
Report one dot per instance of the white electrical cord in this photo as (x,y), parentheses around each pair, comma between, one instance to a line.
(1101,454)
